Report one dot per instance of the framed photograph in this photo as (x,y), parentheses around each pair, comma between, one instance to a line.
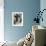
(17,18)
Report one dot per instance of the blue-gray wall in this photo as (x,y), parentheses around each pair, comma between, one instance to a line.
(43,6)
(29,8)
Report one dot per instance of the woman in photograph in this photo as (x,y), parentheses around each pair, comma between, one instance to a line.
(17,19)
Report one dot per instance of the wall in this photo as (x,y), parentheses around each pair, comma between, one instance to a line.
(28,7)
(43,6)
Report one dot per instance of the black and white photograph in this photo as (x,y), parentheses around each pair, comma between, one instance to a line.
(17,18)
